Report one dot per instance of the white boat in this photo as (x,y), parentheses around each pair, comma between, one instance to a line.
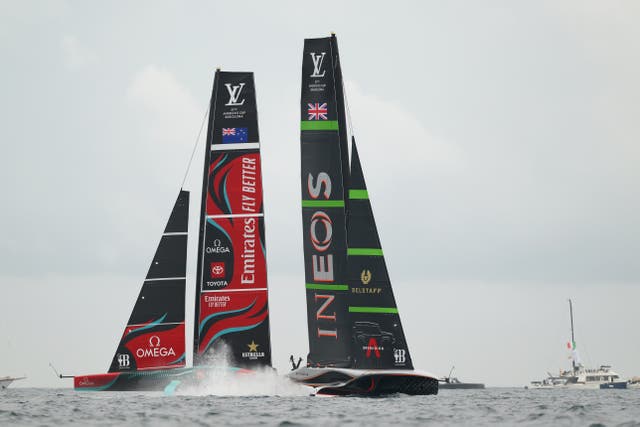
(5,382)
(583,378)
(579,376)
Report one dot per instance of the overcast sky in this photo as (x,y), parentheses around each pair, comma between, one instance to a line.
(500,141)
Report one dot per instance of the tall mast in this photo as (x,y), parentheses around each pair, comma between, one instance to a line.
(342,119)
(573,340)
(203,205)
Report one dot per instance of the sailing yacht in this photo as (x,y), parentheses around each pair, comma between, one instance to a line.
(356,341)
(5,382)
(231,317)
(579,376)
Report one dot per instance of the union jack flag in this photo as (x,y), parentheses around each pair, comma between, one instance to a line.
(317,111)
(228,131)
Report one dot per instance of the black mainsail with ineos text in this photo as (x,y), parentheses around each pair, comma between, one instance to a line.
(352,316)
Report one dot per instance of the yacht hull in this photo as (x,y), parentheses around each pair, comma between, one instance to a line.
(166,380)
(5,382)
(344,382)
(594,386)
(618,385)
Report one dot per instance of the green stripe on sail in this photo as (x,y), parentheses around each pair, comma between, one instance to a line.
(323,203)
(364,251)
(319,125)
(390,310)
(358,195)
(321,287)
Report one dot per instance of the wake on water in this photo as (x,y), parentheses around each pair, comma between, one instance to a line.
(263,382)
(228,380)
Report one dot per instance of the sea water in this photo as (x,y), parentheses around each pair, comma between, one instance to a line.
(291,405)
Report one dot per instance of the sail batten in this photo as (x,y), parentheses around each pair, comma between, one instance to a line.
(364,251)
(323,203)
(317,125)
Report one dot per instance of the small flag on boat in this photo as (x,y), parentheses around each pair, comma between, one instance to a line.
(234,135)
(571,345)
(317,111)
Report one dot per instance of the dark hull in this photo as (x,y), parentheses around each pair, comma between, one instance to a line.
(468,386)
(380,385)
(617,385)
(166,380)
(356,382)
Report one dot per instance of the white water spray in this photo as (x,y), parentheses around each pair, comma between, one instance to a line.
(223,379)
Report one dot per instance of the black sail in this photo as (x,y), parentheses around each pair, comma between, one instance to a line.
(232,312)
(377,337)
(323,178)
(154,337)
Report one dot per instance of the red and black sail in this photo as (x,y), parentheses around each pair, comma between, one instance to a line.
(232,315)
(154,337)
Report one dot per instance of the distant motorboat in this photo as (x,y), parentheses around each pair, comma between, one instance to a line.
(5,382)
(580,377)
(450,382)
(455,383)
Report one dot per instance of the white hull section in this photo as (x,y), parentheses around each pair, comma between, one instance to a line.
(591,386)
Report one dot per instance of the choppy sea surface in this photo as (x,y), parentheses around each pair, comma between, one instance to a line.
(290,407)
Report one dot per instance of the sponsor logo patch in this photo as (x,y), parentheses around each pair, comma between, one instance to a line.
(365,277)
(234,94)
(155,349)
(217,270)
(85,382)
(400,356)
(372,346)
(317,64)
(217,248)
(217,301)
(253,353)
(123,360)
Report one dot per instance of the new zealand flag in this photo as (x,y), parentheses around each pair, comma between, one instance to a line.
(234,135)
